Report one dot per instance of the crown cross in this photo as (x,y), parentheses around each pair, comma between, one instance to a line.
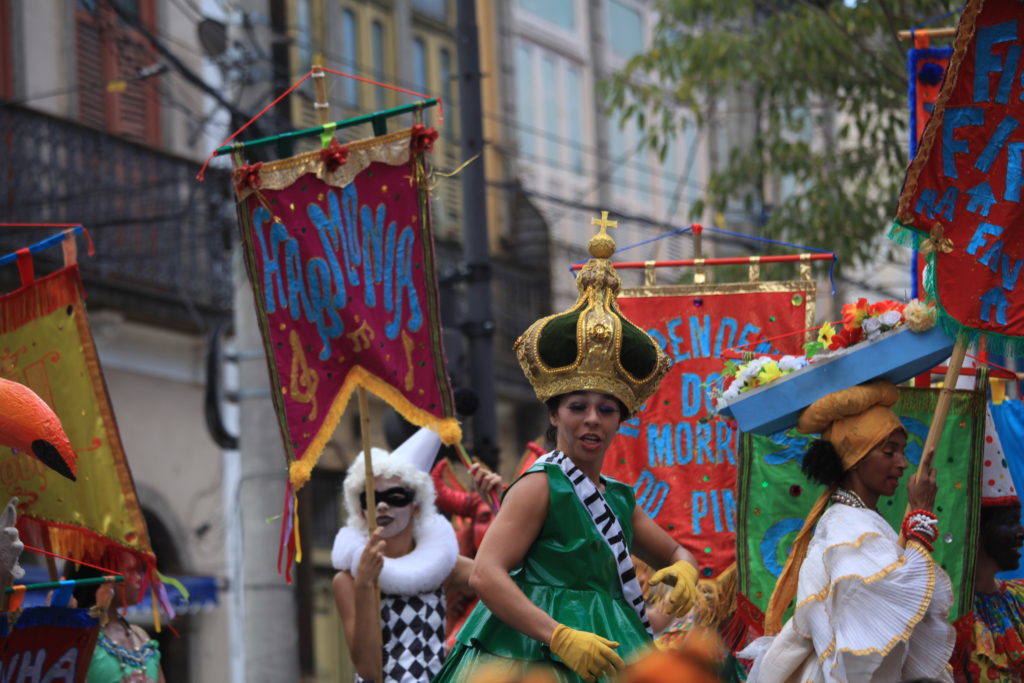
(604,223)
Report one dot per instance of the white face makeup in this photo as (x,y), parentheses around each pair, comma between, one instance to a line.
(392,519)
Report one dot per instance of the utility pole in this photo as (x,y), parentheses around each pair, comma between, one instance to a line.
(479,326)
(267,601)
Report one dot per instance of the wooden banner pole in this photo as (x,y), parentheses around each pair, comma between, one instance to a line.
(956,362)
(371,510)
(931,33)
(321,105)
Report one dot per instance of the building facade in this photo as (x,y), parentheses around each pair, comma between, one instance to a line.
(566,153)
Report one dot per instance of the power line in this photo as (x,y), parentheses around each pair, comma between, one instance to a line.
(593,151)
(507,121)
(556,139)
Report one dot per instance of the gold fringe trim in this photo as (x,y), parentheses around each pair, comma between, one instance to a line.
(42,297)
(719,598)
(82,544)
(448,428)
(715,602)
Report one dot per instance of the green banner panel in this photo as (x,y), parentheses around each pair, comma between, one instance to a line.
(774,495)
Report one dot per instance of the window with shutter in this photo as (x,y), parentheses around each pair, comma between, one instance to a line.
(6,52)
(109,56)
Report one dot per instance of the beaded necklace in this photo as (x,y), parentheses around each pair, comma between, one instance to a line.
(847,498)
(128,658)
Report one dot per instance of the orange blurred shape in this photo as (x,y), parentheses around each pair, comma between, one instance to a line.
(695,659)
(669,667)
(30,426)
(510,671)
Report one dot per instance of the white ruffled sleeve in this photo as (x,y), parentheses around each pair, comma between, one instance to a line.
(873,610)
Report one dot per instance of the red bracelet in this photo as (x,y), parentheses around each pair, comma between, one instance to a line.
(909,528)
(917,537)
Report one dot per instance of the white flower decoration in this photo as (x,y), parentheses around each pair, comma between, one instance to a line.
(791,363)
(750,370)
(891,318)
(871,327)
(919,316)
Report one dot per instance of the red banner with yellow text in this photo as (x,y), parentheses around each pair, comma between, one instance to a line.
(679,456)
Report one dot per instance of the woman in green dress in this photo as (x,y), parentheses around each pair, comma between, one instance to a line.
(124,652)
(554,573)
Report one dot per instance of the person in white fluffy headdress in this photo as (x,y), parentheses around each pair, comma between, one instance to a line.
(414,555)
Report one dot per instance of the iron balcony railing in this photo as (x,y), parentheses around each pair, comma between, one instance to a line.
(163,240)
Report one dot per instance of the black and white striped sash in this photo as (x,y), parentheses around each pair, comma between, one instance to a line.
(609,529)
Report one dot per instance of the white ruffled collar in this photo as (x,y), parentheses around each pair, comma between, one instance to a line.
(420,571)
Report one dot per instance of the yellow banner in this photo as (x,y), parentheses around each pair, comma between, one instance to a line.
(46,344)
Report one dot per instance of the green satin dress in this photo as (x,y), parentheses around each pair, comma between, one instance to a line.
(570,573)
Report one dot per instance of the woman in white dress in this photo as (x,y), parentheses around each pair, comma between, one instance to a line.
(871,605)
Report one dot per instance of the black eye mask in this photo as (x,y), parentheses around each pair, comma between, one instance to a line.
(396,497)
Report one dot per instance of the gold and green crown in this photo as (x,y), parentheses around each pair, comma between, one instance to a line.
(592,346)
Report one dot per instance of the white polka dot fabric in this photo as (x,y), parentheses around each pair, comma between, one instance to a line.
(996,484)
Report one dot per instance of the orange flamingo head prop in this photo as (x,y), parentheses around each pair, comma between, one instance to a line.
(28,425)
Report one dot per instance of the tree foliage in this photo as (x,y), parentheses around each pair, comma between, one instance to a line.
(821,86)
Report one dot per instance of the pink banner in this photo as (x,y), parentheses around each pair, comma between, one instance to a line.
(341,259)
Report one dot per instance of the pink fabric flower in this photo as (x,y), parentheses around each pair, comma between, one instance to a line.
(248,176)
(423,139)
(334,156)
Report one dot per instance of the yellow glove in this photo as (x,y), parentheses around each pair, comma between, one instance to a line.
(588,654)
(683,576)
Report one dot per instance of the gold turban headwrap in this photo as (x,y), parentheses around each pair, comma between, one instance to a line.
(854,421)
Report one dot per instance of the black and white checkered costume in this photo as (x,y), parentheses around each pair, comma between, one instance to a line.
(413,636)
(412,597)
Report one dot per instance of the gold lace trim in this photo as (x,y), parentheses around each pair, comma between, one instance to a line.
(391,149)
